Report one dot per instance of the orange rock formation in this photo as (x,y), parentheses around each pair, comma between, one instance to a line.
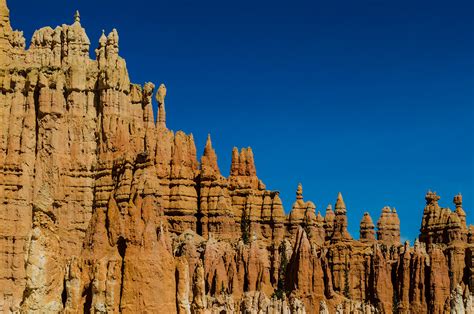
(104,211)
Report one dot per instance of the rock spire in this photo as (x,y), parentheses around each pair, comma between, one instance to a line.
(209,165)
(77,17)
(367,229)
(160,98)
(388,226)
(340,221)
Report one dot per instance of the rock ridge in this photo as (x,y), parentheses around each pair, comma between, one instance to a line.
(105,210)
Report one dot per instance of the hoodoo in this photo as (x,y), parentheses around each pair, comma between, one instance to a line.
(103,210)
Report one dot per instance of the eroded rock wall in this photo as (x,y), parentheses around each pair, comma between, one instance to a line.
(105,210)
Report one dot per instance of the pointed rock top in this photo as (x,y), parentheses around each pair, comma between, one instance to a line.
(103,39)
(340,205)
(367,220)
(235,164)
(243,163)
(277,200)
(77,17)
(209,165)
(235,152)
(250,152)
(208,147)
(250,163)
(367,232)
(329,213)
(319,217)
(113,38)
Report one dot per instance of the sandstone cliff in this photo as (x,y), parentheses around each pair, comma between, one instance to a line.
(105,210)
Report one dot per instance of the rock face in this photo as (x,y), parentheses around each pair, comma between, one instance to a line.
(388,226)
(104,210)
(367,229)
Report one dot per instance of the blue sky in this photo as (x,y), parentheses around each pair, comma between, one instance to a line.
(371,98)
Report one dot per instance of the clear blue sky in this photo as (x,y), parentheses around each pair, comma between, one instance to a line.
(371,98)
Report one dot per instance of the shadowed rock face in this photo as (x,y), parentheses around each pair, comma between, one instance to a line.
(102,209)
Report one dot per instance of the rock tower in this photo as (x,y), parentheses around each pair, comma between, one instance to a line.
(103,209)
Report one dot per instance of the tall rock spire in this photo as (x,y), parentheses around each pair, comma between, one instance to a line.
(208,149)
(242,170)
(340,222)
(235,164)
(299,192)
(243,163)
(388,226)
(250,163)
(160,98)
(340,205)
(77,17)
(209,167)
(457,200)
(367,232)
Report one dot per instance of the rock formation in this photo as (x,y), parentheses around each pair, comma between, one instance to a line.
(388,226)
(367,229)
(104,209)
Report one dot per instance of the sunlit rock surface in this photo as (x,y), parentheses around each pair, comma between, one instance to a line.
(104,210)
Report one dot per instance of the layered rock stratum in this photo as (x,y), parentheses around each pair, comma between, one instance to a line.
(103,209)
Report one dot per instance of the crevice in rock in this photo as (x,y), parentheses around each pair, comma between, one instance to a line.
(64,293)
(98,121)
(427,287)
(396,298)
(26,294)
(122,248)
(371,294)
(66,94)
(87,295)
(36,95)
(213,289)
(107,221)
(467,269)
(199,215)
(245,226)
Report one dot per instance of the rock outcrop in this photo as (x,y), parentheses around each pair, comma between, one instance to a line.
(388,226)
(103,209)
(367,229)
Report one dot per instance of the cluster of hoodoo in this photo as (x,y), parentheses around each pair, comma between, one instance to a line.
(104,209)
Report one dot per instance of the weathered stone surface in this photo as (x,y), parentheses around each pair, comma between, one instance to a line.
(441,225)
(340,221)
(103,209)
(388,227)
(367,229)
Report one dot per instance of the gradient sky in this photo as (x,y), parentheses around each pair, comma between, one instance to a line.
(371,98)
